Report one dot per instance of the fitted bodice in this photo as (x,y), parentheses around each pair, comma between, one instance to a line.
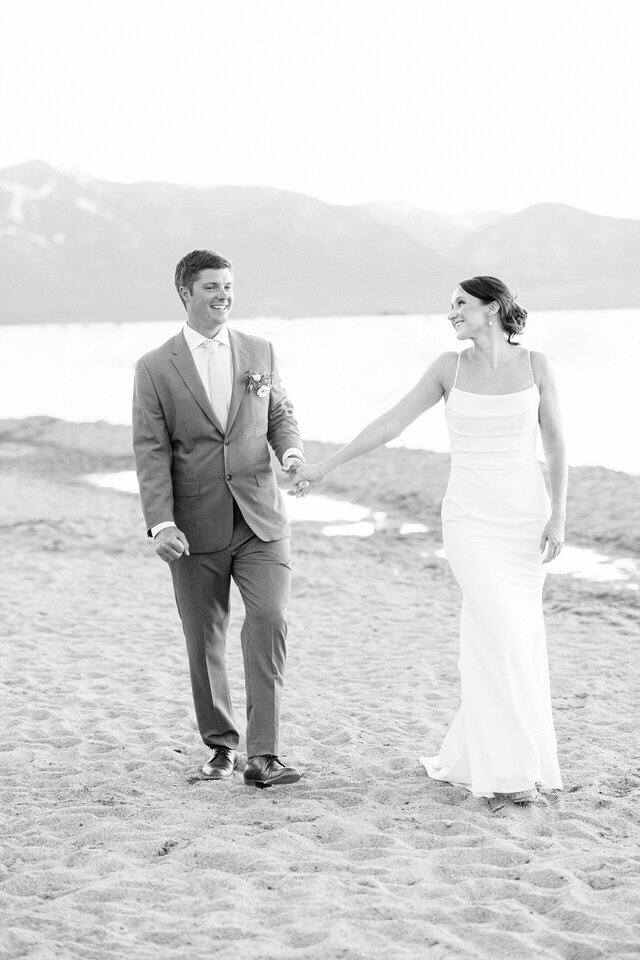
(494,431)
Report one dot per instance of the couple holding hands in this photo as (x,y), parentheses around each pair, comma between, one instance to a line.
(209,405)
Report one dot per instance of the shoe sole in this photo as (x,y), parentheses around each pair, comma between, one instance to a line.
(276,782)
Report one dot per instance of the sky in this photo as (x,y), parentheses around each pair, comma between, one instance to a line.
(452,105)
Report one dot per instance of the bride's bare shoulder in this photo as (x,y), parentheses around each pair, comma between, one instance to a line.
(537,356)
(540,363)
(443,369)
(446,362)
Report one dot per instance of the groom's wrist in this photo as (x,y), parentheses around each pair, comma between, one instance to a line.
(292,453)
(156,528)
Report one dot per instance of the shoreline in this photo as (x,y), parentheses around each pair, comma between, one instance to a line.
(293,318)
(114,846)
(603,507)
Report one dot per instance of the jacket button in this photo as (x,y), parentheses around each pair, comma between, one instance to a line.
(226,443)
(228,476)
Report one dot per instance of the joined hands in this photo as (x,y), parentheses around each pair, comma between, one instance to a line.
(305,477)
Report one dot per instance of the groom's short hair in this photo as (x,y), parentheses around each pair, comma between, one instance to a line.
(190,266)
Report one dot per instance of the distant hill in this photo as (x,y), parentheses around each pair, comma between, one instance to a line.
(74,248)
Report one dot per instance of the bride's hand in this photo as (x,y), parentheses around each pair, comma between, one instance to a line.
(552,538)
(307,477)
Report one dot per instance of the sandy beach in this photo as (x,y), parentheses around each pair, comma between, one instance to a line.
(115,848)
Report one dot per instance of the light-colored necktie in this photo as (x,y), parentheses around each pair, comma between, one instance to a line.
(218,376)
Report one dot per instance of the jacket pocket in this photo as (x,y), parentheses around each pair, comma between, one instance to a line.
(266,478)
(186,488)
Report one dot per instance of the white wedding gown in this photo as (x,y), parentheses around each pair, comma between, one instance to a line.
(502,738)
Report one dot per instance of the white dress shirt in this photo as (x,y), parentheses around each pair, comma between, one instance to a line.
(224,367)
(224,362)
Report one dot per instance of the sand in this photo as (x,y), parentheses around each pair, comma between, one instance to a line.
(114,847)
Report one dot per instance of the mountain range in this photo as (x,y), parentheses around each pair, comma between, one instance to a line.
(76,248)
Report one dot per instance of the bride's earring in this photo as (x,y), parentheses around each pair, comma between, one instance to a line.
(490,321)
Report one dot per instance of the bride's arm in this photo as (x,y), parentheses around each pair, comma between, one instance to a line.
(426,393)
(555,455)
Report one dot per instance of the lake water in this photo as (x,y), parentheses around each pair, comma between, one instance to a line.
(341,372)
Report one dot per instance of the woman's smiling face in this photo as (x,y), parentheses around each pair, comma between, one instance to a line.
(468,314)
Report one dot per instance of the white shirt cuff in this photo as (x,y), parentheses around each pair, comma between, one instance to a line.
(161,526)
(292,452)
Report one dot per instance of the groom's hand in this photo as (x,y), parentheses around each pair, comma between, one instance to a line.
(290,466)
(171,543)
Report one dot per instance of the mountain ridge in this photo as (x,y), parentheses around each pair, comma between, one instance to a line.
(78,248)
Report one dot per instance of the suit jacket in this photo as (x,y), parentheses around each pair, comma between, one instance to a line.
(189,469)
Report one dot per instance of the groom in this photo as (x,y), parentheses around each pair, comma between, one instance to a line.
(207,406)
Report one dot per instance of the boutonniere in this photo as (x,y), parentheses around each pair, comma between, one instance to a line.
(260,382)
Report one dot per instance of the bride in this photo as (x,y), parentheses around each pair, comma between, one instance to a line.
(499,530)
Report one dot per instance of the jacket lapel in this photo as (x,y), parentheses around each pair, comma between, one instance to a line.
(240,359)
(183,362)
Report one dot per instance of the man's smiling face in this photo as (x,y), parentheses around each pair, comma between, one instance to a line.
(209,302)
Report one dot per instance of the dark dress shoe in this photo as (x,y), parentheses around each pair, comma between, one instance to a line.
(268,771)
(220,765)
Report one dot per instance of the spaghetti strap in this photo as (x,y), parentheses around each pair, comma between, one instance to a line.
(533,379)
(455,379)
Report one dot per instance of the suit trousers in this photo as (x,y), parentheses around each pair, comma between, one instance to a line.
(202,584)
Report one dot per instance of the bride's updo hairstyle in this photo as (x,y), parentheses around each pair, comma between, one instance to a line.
(487,289)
